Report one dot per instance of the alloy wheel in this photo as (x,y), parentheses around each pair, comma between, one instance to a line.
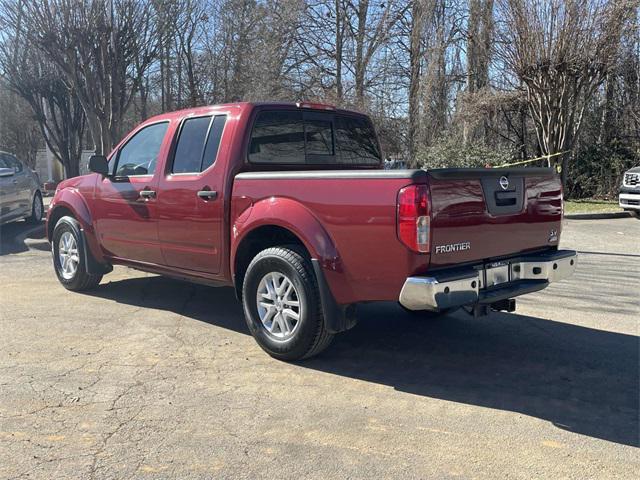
(278,305)
(68,255)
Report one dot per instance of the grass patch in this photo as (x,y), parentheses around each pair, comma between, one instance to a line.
(591,206)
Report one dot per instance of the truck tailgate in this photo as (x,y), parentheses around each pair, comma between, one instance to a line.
(484,214)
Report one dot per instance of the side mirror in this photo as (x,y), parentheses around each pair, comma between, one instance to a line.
(99,164)
(7,172)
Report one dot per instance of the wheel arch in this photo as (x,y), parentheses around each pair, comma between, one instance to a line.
(270,222)
(69,202)
(281,222)
(54,216)
(256,240)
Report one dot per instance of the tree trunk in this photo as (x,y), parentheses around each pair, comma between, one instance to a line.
(339,47)
(360,67)
(607,120)
(415,55)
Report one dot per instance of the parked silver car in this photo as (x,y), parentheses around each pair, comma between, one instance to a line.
(20,195)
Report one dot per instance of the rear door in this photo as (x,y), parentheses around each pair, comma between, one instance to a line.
(485,214)
(191,196)
(126,201)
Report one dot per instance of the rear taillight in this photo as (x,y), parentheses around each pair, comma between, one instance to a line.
(413,217)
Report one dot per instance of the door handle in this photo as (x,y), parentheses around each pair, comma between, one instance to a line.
(207,195)
(147,194)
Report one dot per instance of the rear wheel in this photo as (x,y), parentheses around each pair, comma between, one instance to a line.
(37,209)
(69,257)
(282,305)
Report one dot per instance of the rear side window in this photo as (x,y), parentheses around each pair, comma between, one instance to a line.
(213,141)
(286,137)
(277,137)
(198,144)
(13,162)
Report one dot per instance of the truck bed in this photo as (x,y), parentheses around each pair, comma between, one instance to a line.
(358,212)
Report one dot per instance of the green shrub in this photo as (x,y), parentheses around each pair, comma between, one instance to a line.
(453,152)
(596,171)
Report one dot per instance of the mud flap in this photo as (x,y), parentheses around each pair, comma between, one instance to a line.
(338,318)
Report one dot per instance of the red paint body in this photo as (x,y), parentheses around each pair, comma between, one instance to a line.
(345,220)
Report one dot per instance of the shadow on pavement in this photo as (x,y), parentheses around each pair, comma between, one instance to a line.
(13,236)
(580,379)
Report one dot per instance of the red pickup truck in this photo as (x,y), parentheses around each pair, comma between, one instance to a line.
(290,205)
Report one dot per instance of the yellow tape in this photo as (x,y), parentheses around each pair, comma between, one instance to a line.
(530,160)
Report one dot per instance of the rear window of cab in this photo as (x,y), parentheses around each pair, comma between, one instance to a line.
(312,138)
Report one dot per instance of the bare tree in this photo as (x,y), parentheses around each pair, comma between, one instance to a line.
(562,51)
(478,55)
(40,83)
(415,60)
(442,79)
(102,47)
(371,26)
(479,42)
(19,132)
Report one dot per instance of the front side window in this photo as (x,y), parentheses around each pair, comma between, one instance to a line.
(139,155)
(198,144)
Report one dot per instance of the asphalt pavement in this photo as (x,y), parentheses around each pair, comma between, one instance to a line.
(148,377)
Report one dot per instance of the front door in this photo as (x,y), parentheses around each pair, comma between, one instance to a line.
(126,200)
(190,197)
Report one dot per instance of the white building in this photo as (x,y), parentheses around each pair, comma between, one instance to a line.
(51,170)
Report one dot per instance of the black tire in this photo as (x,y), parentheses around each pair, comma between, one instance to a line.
(428,314)
(37,209)
(80,280)
(309,337)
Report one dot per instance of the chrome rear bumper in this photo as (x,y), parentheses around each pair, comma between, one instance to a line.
(488,283)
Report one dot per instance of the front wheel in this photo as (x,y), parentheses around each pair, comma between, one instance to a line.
(69,257)
(282,305)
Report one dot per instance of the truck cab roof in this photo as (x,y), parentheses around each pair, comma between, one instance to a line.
(248,107)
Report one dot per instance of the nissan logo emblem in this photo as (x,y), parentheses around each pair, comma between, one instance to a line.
(504,182)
